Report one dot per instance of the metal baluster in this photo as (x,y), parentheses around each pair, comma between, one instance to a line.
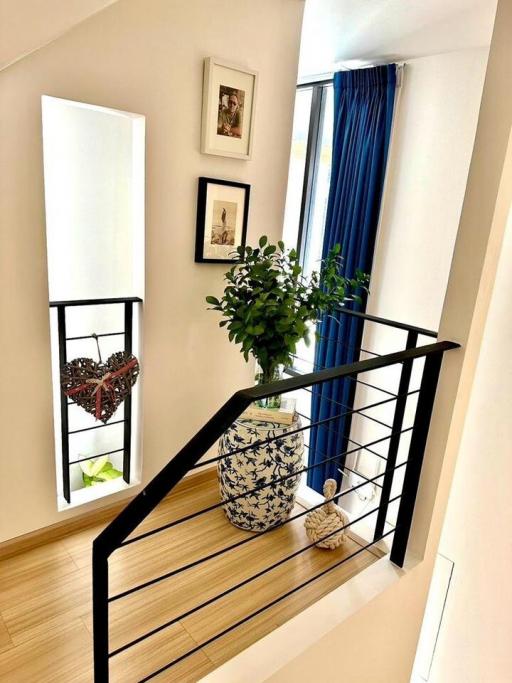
(128,340)
(100,612)
(64,423)
(394,443)
(416,452)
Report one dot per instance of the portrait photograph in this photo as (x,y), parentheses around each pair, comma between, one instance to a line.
(222,214)
(231,112)
(229,99)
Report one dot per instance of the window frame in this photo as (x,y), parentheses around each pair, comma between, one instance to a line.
(313,147)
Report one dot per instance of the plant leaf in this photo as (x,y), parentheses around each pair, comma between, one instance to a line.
(98,465)
(109,474)
(86,467)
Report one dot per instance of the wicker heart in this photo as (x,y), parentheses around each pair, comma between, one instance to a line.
(100,388)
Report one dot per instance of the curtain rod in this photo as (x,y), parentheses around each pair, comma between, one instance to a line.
(309,84)
(327,80)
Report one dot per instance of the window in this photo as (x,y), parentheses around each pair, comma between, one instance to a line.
(309,172)
(308,186)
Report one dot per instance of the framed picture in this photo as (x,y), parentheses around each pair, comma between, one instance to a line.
(222,211)
(229,99)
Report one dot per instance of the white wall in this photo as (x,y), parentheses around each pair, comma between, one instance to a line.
(25,26)
(432,142)
(94,200)
(474,640)
(143,56)
(426,178)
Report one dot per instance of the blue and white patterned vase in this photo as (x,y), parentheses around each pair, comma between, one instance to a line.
(255,467)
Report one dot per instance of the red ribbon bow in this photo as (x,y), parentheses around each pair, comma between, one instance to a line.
(104,383)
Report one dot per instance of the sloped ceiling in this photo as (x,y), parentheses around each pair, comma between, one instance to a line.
(341,32)
(334,31)
(26,25)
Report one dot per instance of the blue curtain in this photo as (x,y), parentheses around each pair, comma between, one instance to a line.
(363,112)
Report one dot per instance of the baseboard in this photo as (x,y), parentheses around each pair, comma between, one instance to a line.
(55,532)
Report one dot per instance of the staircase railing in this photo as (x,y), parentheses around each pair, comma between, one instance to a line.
(116,534)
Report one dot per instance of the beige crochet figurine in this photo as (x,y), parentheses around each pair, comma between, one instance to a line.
(325,520)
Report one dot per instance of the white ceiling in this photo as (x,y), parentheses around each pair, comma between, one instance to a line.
(338,33)
(26,25)
(334,31)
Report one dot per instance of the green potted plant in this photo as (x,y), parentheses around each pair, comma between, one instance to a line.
(268,303)
(98,470)
(268,307)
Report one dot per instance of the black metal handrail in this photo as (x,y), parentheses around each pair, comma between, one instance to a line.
(421,331)
(160,486)
(96,302)
(117,533)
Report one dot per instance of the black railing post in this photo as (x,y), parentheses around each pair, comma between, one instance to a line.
(127,438)
(64,424)
(415,459)
(394,442)
(100,613)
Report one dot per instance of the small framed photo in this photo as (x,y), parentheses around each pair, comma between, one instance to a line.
(222,211)
(229,99)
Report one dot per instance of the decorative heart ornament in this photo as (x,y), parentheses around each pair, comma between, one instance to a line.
(100,388)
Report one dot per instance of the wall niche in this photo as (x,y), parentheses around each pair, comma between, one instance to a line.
(94,204)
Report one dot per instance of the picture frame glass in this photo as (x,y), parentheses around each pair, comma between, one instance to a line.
(223,221)
(231,100)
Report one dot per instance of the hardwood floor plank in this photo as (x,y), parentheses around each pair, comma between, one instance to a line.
(64,602)
(175,548)
(232,610)
(59,657)
(5,639)
(170,598)
(79,545)
(193,493)
(45,603)
(34,570)
(145,610)
(158,651)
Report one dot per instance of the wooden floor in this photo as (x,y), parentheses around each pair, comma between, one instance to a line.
(45,595)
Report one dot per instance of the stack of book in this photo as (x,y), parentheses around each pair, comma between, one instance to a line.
(283,415)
